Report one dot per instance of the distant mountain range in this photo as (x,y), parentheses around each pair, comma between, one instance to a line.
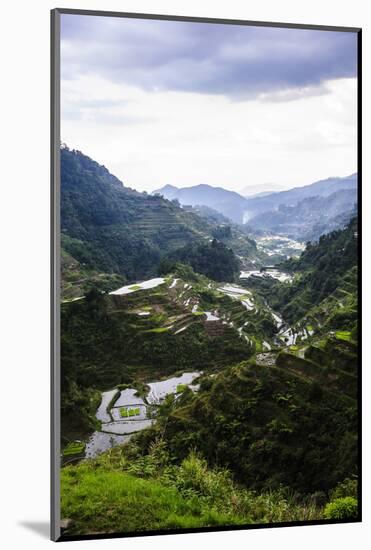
(310,217)
(228,203)
(292,197)
(294,212)
(262,189)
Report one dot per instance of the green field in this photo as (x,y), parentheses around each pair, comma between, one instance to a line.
(123,503)
(125,412)
(126,495)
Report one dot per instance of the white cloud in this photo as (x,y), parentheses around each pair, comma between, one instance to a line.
(149,139)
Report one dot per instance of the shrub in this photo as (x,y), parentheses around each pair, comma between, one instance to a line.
(341,508)
(348,488)
(194,476)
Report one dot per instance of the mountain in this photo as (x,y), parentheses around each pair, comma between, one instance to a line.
(310,217)
(262,189)
(229,203)
(108,228)
(210,214)
(292,197)
(299,213)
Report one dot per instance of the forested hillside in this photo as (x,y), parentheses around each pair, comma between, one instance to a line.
(212,259)
(112,229)
(292,423)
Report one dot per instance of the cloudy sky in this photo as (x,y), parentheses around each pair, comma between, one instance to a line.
(169,102)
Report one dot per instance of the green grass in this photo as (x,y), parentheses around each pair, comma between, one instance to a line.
(109,501)
(126,412)
(343,335)
(181,387)
(118,492)
(135,287)
(158,330)
(74,448)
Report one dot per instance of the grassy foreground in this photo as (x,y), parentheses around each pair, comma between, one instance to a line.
(109,501)
(119,493)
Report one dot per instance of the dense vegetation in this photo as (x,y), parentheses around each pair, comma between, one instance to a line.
(115,229)
(78,279)
(292,424)
(270,434)
(214,259)
(126,491)
(150,504)
(107,227)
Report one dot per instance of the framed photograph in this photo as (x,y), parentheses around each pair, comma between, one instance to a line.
(206,237)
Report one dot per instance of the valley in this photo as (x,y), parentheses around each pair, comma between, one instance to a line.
(173,321)
(278,247)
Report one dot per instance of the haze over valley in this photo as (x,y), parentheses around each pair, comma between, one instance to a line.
(303,213)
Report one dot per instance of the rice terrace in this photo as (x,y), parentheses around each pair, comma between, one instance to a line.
(209,274)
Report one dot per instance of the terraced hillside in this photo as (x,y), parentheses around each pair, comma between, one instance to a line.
(286,418)
(77,279)
(323,295)
(159,327)
(110,228)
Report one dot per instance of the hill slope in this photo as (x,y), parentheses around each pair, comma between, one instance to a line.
(300,213)
(310,217)
(321,188)
(322,297)
(292,422)
(109,228)
(115,229)
(228,203)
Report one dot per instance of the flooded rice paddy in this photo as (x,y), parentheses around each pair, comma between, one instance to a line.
(129,413)
(135,287)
